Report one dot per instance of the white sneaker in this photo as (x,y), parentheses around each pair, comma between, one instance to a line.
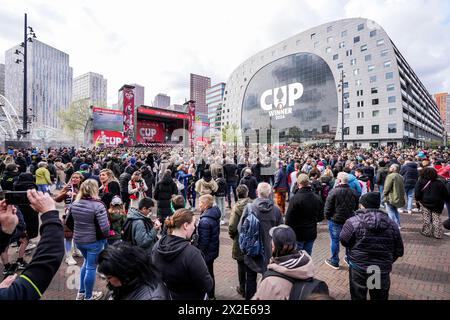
(70,261)
(222,222)
(96,295)
(415,210)
(410,212)
(447,234)
(400,210)
(80,296)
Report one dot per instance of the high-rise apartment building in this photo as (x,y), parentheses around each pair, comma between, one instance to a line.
(198,86)
(139,94)
(2,79)
(49,82)
(90,86)
(443,103)
(214,99)
(161,100)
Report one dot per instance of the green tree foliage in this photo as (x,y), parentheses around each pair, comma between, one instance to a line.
(75,117)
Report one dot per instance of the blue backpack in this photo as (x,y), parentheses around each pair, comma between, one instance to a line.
(250,237)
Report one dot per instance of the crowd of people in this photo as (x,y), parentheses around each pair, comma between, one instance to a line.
(149,219)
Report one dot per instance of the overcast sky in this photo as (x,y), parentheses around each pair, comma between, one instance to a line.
(158,43)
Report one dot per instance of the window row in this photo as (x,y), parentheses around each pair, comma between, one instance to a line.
(392,128)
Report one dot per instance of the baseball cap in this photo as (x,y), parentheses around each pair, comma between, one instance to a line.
(116,201)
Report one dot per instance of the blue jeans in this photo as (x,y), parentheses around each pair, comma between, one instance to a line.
(393,213)
(305,245)
(410,197)
(231,186)
(220,201)
(43,188)
(90,253)
(381,189)
(335,231)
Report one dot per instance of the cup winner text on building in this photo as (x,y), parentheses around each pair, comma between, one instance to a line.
(281,96)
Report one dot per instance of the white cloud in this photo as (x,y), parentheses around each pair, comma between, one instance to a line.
(157,44)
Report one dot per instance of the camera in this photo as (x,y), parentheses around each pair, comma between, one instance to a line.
(15,197)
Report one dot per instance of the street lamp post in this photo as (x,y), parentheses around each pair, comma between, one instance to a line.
(28,36)
(342,107)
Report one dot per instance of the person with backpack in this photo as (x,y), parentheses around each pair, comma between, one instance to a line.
(305,209)
(372,240)
(256,221)
(220,195)
(235,217)
(130,274)
(290,273)
(182,266)
(208,235)
(139,229)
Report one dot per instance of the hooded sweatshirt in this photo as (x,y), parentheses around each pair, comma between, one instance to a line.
(206,186)
(296,266)
(182,268)
(144,235)
(269,216)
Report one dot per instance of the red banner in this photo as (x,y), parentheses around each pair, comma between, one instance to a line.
(191,113)
(150,131)
(163,114)
(107,138)
(128,116)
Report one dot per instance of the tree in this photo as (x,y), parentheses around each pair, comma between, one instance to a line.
(75,117)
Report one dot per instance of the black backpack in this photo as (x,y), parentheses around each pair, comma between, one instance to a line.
(301,289)
(127,230)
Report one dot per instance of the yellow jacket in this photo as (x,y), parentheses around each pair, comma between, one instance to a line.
(43,176)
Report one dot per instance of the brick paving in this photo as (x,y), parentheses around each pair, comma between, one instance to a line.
(423,273)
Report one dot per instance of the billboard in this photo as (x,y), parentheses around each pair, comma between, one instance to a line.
(106,119)
(150,131)
(295,94)
(107,138)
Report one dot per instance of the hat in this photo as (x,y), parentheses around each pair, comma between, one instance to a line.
(116,201)
(282,236)
(370,200)
(133,161)
(84,166)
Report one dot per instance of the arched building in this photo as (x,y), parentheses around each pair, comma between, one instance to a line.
(295,87)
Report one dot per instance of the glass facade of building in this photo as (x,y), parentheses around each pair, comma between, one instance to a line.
(296,95)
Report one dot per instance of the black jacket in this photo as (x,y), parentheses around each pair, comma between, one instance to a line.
(410,175)
(256,171)
(8,180)
(182,268)
(252,185)
(123,181)
(222,187)
(209,233)
(304,210)
(113,190)
(45,263)
(373,239)
(230,171)
(147,292)
(163,193)
(433,196)
(342,201)
(22,163)
(149,179)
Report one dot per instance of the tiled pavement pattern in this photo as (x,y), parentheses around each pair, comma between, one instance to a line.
(423,272)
